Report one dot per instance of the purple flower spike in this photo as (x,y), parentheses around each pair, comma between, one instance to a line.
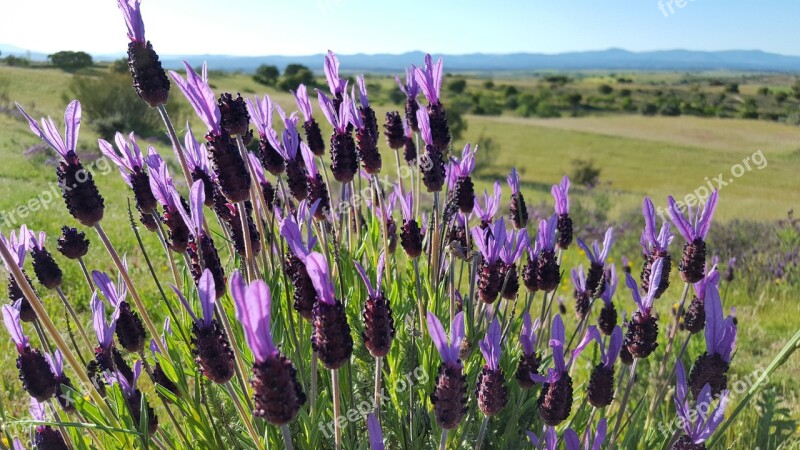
(701,225)
(573,442)
(651,240)
(425,126)
(460,168)
(261,116)
(406,203)
(161,182)
(258,169)
(720,333)
(697,424)
(490,345)
(197,196)
(113,294)
(308,158)
(595,255)
(578,278)
(14,326)
(449,352)
(411,88)
(206,290)
(646,304)
(492,203)
(336,84)
(253,305)
(303,103)
(711,277)
(513,181)
(129,159)
(290,230)
(515,245)
(490,241)
(546,234)
(611,286)
(375,433)
(201,97)
(557,344)
(609,355)
(104,330)
(133,19)
(550,439)
(17,244)
(338,119)
(376,291)
(430,79)
(561,196)
(56,361)
(318,271)
(50,134)
(528,336)
(362,91)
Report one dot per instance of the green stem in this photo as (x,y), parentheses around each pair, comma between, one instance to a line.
(624,403)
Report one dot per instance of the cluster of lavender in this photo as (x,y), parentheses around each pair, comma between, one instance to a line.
(266,218)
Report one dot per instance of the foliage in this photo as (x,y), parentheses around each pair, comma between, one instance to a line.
(295,77)
(267,75)
(70,61)
(16,61)
(584,172)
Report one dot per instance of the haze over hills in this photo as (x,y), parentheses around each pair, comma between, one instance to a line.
(611,59)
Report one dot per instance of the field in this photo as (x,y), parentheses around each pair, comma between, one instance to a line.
(636,156)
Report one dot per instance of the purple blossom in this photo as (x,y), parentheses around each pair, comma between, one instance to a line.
(161,183)
(355,116)
(720,333)
(424,127)
(206,293)
(50,134)
(258,169)
(253,311)
(37,410)
(430,79)
(527,337)
(490,241)
(201,97)
(579,279)
(56,362)
(650,240)
(697,423)
(319,273)
(290,230)
(550,439)
(560,366)
(303,103)
(14,326)
(308,158)
(411,88)
(129,160)
(375,292)
(197,196)
(516,244)
(37,242)
(595,255)
(607,356)
(702,222)
(460,168)
(261,116)
(104,330)
(573,442)
(362,91)
(712,277)
(645,304)
(545,236)
(384,211)
(492,203)
(513,181)
(375,433)
(611,286)
(114,295)
(406,203)
(561,196)
(337,85)
(490,345)
(128,388)
(133,19)
(17,245)
(448,351)
(338,119)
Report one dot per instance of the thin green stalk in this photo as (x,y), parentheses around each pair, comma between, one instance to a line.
(443,441)
(378,361)
(287,437)
(246,417)
(624,403)
(336,406)
(176,144)
(86,274)
(482,433)
(74,316)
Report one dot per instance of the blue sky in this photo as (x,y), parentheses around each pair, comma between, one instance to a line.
(302,27)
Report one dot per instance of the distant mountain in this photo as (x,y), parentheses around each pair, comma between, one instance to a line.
(611,59)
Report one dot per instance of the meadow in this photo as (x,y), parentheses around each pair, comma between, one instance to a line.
(636,155)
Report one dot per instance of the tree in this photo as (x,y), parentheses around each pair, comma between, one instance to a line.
(301,76)
(457,86)
(605,89)
(266,75)
(293,69)
(119,66)
(70,61)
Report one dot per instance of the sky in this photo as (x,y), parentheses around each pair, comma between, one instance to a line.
(305,27)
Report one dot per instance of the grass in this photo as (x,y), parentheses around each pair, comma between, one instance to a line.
(637,155)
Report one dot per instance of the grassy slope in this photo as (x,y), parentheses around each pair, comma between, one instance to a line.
(637,155)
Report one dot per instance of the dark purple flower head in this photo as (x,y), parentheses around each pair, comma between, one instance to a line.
(206,290)
(17,244)
(696,422)
(303,103)
(374,293)
(448,351)
(113,294)
(579,279)
(129,160)
(133,19)
(319,273)
(611,286)
(573,442)
(651,240)
(14,326)
(50,134)
(201,97)
(513,181)
(702,221)
(193,219)
(337,85)
(253,305)
(595,255)
(527,337)
(490,241)
(104,330)
(492,203)
(490,345)
(338,119)
(290,230)
(550,439)
(711,277)
(561,196)
(545,236)
(720,332)
(375,433)
(430,79)
(517,242)
(411,87)
(460,168)
(645,304)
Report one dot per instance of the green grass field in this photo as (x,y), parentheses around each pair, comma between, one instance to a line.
(637,156)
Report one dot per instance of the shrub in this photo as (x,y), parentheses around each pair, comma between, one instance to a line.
(70,61)
(605,89)
(457,86)
(585,173)
(16,61)
(291,81)
(266,75)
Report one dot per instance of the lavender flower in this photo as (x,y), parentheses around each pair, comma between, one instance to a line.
(608,315)
(517,210)
(655,246)
(331,339)
(45,436)
(516,244)
(583,298)
(149,79)
(490,242)
(600,390)
(693,263)
(694,319)
(310,126)
(366,112)
(289,148)
(449,396)
(492,204)
(561,196)
(72,243)
(640,339)
(338,86)
(530,360)
(394,130)
(573,442)
(432,160)
(261,116)
(410,235)
(411,89)
(344,162)
(550,439)
(63,383)
(210,345)
(267,188)
(44,266)
(278,396)
(459,180)
(80,193)
(378,321)
(366,126)
(429,79)
(543,271)
(711,367)
(304,293)
(409,147)
(317,189)
(133,396)
(197,159)
(17,243)
(130,163)
(375,433)
(36,375)
(162,186)
(491,391)
(597,259)
(129,328)
(697,424)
